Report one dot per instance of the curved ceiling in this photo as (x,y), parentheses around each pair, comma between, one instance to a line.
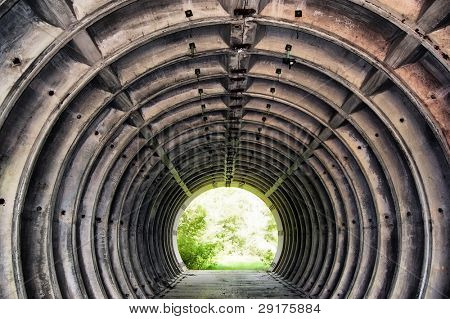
(113,113)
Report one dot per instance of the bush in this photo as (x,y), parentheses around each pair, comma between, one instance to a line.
(196,253)
(267,257)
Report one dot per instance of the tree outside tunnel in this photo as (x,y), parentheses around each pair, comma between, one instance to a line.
(227,228)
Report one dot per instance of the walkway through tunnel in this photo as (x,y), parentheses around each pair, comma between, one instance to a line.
(114,114)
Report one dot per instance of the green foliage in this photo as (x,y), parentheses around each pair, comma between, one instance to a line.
(270,234)
(267,257)
(240,266)
(228,230)
(195,253)
(229,234)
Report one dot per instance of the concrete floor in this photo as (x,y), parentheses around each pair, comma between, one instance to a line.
(224,284)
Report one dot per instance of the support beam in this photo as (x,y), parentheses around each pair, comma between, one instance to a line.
(123,102)
(255,5)
(55,12)
(168,163)
(154,144)
(242,38)
(406,49)
(373,81)
(109,80)
(350,104)
(434,15)
(135,118)
(285,176)
(85,47)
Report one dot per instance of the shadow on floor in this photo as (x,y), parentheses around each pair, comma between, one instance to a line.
(229,284)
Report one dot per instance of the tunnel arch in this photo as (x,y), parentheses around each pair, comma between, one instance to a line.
(114,113)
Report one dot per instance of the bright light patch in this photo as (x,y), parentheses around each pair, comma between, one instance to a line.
(227,228)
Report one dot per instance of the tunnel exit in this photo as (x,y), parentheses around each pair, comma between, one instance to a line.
(227,229)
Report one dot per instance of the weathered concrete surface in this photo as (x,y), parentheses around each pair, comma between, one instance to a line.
(229,284)
(114,114)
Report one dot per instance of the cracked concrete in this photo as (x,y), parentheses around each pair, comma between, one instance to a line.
(115,114)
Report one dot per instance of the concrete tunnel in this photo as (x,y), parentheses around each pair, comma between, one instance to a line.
(113,114)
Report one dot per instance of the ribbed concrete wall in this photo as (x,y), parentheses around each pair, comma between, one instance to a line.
(113,113)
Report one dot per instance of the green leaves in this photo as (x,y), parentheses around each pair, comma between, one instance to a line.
(195,252)
(227,230)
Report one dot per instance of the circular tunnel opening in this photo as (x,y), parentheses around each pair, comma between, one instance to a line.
(227,229)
